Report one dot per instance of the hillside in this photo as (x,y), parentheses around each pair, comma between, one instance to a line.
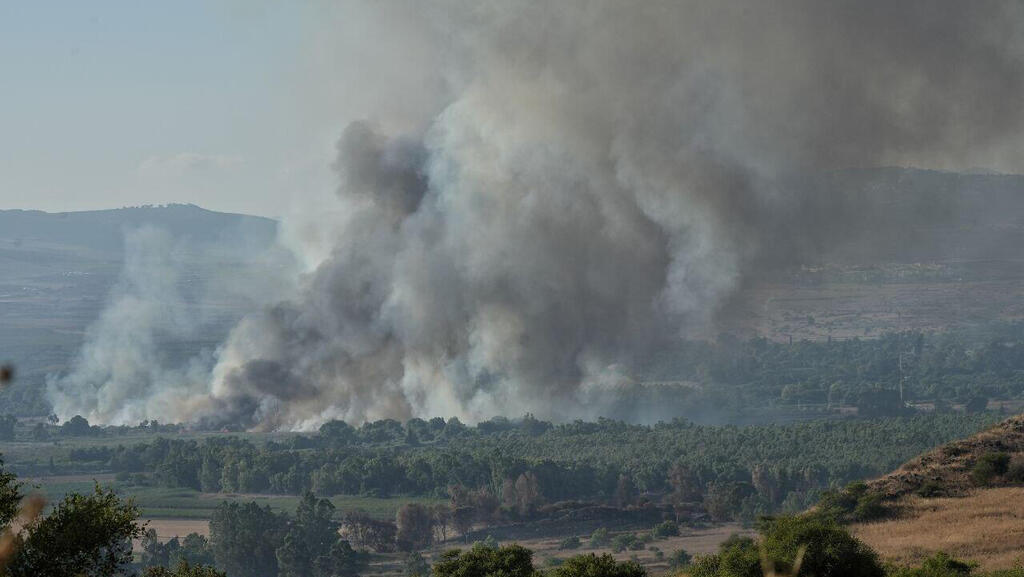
(59,269)
(102,231)
(946,470)
(941,508)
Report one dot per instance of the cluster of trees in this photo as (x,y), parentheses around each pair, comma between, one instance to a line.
(807,545)
(485,560)
(193,550)
(247,540)
(81,536)
(90,536)
(515,467)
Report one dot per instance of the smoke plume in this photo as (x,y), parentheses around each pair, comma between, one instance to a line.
(592,178)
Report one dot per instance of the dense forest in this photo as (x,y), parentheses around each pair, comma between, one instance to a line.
(520,465)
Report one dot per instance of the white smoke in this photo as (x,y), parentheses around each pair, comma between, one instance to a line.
(587,179)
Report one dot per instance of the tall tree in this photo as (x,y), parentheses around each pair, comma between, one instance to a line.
(244,539)
(84,536)
(415,524)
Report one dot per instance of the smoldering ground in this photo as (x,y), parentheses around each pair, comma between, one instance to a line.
(586,180)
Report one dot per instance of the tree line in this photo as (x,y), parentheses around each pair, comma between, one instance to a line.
(520,465)
(758,379)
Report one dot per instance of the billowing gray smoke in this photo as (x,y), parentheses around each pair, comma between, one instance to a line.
(597,177)
(121,374)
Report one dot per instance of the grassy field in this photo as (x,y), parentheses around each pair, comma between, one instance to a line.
(165,503)
(985,527)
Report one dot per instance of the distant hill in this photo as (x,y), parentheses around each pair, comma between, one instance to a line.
(103,230)
(57,271)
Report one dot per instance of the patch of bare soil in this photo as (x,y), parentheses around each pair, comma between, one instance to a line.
(167,529)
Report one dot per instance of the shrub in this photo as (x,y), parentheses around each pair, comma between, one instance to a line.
(869,506)
(988,467)
(592,565)
(569,543)
(628,541)
(415,566)
(679,559)
(737,557)
(939,565)
(854,503)
(930,489)
(599,538)
(509,561)
(1015,471)
(831,550)
(705,566)
(666,529)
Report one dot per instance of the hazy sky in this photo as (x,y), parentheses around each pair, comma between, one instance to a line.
(228,105)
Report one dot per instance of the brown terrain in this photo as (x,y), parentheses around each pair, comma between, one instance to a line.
(848,302)
(985,525)
(948,467)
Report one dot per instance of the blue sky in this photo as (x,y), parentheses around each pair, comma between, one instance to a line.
(114,103)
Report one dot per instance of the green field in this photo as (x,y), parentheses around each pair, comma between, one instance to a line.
(167,503)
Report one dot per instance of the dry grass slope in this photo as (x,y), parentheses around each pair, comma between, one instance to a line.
(986,526)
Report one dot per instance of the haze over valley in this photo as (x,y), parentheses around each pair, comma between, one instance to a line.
(512,288)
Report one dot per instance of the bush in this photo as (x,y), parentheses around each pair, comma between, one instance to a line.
(988,467)
(628,541)
(592,565)
(569,543)
(737,557)
(705,566)
(939,565)
(869,507)
(679,559)
(666,529)
(831,550)
(553,562)
(930,489)
(1015,471)
(415,566)
(508,561)
(183,569)
(854,503)
(599,538)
